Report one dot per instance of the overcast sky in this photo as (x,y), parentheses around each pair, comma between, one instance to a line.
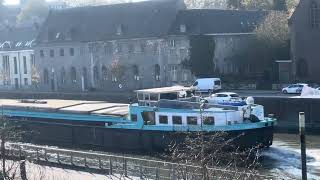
(11,1)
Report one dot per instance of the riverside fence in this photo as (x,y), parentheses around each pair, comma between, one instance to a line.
(123,165)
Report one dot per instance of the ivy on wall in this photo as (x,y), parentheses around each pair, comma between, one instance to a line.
(201,56)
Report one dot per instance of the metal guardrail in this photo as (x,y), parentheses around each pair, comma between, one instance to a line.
(126,166)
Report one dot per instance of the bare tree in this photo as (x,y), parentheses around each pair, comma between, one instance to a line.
(35,76)
(274,30)
(117,70)
(216,153)
(34,9)
(9,131)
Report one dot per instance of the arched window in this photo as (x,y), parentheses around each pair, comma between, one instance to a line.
(104,72)
(73,75)
(157,72)
(302,68)
(63,76)
(46,76)
(136,72)
(314,15)
(96,73)
(85,77)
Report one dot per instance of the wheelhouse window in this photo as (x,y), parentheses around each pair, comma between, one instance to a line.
(192,120)
(134,117)
(148,118)
(177,120)
(208,120)
(163,119)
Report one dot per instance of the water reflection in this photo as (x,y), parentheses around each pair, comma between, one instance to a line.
(283,158)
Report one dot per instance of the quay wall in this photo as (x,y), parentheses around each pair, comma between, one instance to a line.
(286,110)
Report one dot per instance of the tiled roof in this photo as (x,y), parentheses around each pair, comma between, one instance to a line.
(119,21)
(214,21)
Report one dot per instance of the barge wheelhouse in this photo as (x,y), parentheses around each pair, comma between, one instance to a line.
(151,124)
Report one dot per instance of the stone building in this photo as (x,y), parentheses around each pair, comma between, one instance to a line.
(231,30)
(305,40)
(17,58)
(133,45)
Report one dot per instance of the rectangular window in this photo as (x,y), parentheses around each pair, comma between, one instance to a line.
(148,118)
(192,120)
(172,43)
(163,119)
(41,53)
(61,52)
(25,68)
(174,73)
(134,117)
(208,121)
(51,53)
(26,81)
(33,60)
(177,120)
(71,50)
(15,64)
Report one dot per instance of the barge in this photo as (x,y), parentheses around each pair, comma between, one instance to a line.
(151,124)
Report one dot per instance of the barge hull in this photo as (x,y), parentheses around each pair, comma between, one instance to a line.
(128,140)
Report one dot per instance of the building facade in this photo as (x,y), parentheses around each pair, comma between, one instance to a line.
(17,59)
(132,46)
(305,40)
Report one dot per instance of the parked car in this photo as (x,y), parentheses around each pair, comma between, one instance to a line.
(223,97)
(209,85)
(294,88)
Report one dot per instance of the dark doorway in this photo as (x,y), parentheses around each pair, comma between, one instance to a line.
(85,78)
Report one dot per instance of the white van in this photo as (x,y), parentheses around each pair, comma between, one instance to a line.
(209,85)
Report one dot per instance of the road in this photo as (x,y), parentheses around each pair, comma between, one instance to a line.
(262,93)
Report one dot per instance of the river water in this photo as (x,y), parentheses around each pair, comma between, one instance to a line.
(282,159)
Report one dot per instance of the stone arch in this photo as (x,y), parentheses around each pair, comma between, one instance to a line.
(96,73)
(63,75)
(73,74)
(46,76)
(85,77)
(157,72)
(135,70)
(104,72)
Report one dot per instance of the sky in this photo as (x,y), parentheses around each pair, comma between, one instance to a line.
(14,2)
(11,1)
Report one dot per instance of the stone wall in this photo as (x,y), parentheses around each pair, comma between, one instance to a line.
(114,65)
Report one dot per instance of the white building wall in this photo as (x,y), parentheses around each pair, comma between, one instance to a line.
(17,80)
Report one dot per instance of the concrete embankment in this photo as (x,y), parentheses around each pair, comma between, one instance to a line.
(285,109)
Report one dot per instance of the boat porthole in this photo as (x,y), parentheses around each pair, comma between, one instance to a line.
(266,124)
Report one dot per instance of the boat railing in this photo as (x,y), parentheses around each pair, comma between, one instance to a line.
(176,104)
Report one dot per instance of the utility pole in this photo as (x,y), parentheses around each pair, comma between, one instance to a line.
(303,145)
